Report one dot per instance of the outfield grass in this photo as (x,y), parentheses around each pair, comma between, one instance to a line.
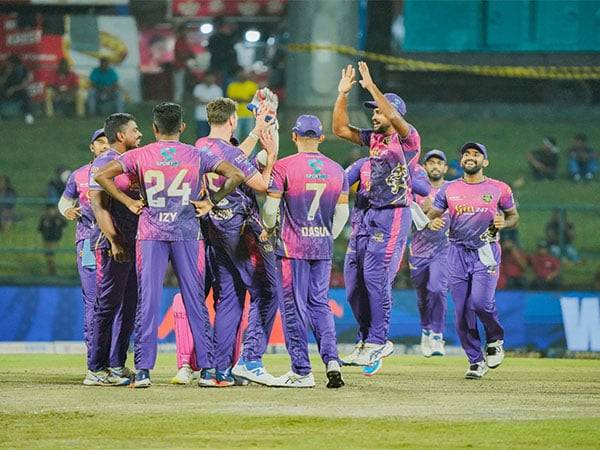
(414,403)
(30,153)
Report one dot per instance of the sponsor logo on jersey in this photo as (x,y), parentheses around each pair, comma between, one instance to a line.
(168,153)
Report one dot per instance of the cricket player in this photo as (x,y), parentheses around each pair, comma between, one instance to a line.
(171,174)
(478,207)
(394,149)
(311,193)
(116,284)
(428,262)
(74,204)
(242,256)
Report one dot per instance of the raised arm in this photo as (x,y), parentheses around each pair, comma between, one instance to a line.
(341,121)
(386,108)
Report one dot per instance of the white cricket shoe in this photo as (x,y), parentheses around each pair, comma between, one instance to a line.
(373,352)
(97,378)
(437,344)
(334,375)
(122,372)
(426,343)
(351,358)
(293,380)
(476,371)
(253,371)
(184,375)
(494,354)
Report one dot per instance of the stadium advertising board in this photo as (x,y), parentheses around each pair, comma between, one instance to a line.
(533,320)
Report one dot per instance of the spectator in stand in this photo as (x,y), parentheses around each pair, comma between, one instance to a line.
(223,57)
(543,161)
(583,160)
(546,268)
(513,266)
(62,93)
(242,91)
(51,228)
(56,185)
(205,92)
(104,89)
(14,82)
(183,57)
(554,232)
(7,205)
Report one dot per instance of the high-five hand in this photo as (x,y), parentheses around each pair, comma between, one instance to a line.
(366,82)
(347,80)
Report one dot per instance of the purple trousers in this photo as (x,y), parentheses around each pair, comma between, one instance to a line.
(473,288)
(304,301)
(430,279)
(188,259)
(239,261)
(376,256)
(114,312)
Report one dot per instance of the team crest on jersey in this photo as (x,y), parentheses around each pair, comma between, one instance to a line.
(396,180)
(168,153)
(387,140)
(378,236)
(487,197)
(221,214)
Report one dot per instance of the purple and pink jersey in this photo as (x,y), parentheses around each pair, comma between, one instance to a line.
(391,159)
(124,220)
(241,201)
(427,243)
(310,185)
(472,208)
(171,174)
(77,188)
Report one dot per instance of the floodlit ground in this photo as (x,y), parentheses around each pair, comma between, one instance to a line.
(412,403)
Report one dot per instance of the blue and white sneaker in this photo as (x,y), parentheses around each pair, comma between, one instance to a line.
(253,371)
(369,371)
(208,378)
(371,353)
(223,378)
(142,379)
(97,378)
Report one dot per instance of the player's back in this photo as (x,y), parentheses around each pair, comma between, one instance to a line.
(311,185)
(170,175)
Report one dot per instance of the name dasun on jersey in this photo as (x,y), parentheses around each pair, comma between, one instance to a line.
(314,232)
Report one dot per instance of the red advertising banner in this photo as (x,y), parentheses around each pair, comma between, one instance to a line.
(211,8)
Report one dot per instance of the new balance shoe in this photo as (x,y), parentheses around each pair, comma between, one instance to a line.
(97,378)
(373,352)
(253,371)
(334,375)
(123,372)
(426,343)
(476,371)
(293,380)
(142,379)
(494,354)
(208,378)
(351,358)
(184,375)
(223,378)
(369,371)
(437,345)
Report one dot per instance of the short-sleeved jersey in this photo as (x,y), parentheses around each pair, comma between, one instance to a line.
(310,185)
(427,243)
(472,208)
(238,202)
(124,220)
(359,172)
(77,188)
(391,156)
(170,174)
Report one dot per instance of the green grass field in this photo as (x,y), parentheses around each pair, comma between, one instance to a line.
(413,403)
(30,153)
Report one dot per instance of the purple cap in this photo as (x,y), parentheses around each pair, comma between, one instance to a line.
(394,99)
(97,134)
(435,153)
(475,145)
(308,126)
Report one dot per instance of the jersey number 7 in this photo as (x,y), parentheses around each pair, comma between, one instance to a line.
(319,188)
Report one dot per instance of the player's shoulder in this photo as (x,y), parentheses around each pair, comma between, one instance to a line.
(85,169)
(498,183)
(284,162)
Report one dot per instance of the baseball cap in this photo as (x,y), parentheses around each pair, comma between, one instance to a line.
(477,146)
(97,134)
(435,153)
(394,99)
(308,126)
